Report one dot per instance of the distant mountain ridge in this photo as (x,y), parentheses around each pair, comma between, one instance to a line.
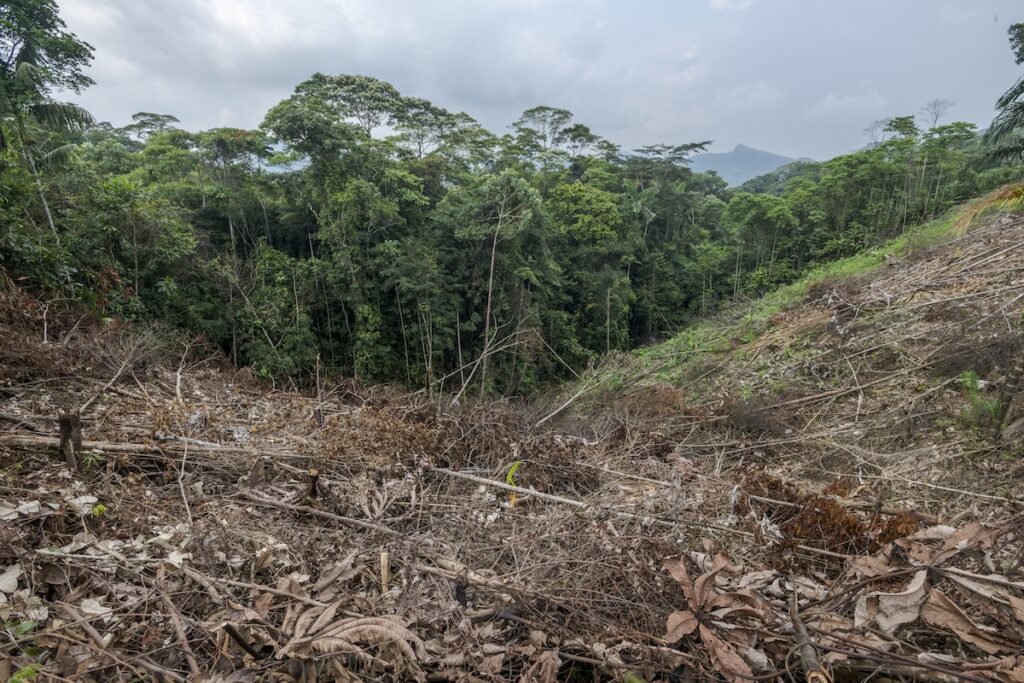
(739,165)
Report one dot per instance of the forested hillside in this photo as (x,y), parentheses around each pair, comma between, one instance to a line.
(376,234)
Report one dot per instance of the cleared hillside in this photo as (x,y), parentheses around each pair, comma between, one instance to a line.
(812,482)
(888,368)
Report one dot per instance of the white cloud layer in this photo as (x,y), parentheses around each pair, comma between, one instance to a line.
(859,107)
(731,4)
(795,77)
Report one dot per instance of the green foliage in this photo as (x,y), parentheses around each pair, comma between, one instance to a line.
(586,213)
(981,411)
(27,673)
(91,461)
(441,256)
(1016,32)
(21,627)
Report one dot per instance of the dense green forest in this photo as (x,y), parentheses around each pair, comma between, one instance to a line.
(379,235)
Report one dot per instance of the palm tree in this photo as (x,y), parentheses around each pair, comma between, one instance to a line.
(37,55)
(1004,136)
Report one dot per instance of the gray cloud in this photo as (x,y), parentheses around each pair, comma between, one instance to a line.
(796,77)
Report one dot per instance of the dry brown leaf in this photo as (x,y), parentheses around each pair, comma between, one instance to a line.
(939,532)
(969,536)
(758,580)
(724,658)
(757,659)
(544,669)
(919,553)
(869,566)
(334,577)
(492,665)
(325,617)
(1018,607)
(305,621)
(678,625)
(891,610)
(676,566)
(1008,670)
(262,604)
(704,587)
(943,613)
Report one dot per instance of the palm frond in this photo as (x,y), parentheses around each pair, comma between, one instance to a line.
(27,75)
(1015,92)
(1005,199)
(1006,122)
(58,155)
(61,115)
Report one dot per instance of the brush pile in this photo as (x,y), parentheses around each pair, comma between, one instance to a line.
(162,517)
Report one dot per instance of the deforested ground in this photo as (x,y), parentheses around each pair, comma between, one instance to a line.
(830,488)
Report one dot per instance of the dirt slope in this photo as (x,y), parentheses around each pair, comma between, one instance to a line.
(820,489)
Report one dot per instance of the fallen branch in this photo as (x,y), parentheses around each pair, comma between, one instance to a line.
(813,671)
(350,521)
(97,640)
(179,627)
(124,364)
(49,442)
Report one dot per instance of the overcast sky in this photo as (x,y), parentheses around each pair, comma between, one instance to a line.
(795,77)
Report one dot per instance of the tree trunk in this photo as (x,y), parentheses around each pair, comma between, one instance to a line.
(71,438)
(487,308)
(458,344)
(405,338)
(608,320)
(135,254)
(30,161)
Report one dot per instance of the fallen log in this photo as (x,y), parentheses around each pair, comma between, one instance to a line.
(52,443)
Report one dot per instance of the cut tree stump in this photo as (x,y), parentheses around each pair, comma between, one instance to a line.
(71,438)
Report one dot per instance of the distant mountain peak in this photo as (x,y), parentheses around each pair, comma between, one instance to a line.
(739,165)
